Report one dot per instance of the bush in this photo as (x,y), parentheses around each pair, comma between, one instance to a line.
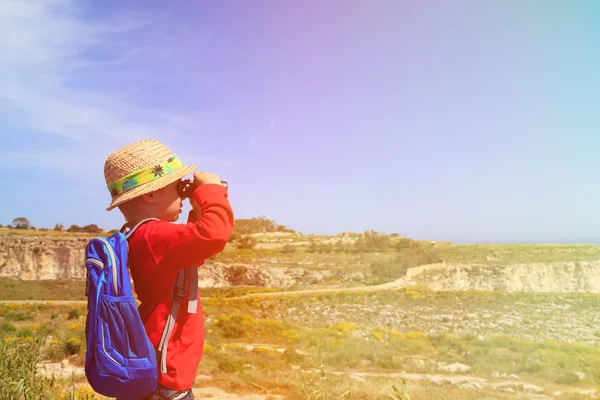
(18,359)
(73,314)
(54,351)
(8,329)
(568,379)
(291,355)
(258,225)
(17,316)
(321,248)
(288,249)
(407,258)
(72,346)
(74,228)
(246,243)
(236,274)
(373,241)
(234,236)
(235,326)
(228,365)
(91,228)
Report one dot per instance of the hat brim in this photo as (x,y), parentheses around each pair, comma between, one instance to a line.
(156,184)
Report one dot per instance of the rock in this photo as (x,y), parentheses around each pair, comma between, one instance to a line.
(529,387)
(467,386)
(203,378)
(357,378)
(521,386)
(356,276)
(456,367)
(585,392)
(59,370)
(580,375)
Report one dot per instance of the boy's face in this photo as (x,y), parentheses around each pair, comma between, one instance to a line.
(168,203)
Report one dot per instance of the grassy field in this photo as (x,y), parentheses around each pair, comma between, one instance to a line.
(400,344)
(292,348)
(503,254)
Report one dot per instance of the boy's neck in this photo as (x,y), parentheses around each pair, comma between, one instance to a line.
(133,220)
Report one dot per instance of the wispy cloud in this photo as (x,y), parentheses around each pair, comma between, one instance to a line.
(265,131)
(86,86)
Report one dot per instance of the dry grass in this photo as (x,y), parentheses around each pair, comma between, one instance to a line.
(319,359)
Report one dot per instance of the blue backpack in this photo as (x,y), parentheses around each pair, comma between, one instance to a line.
(120,360)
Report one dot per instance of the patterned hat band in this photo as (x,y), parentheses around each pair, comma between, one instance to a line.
(140,177)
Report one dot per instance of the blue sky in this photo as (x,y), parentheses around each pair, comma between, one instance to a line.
(475,121)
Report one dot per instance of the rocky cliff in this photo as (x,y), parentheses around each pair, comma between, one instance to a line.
(40,257)
(557,277)
(52,257)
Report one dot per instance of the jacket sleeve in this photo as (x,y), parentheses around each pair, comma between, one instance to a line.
(177,246)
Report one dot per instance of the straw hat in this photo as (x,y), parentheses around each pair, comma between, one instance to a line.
(139,168)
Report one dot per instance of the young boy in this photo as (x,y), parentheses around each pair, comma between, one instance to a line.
(144,179)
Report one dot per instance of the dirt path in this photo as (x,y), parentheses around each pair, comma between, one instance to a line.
(397,284)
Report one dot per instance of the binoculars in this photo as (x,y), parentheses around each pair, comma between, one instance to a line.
(187,186)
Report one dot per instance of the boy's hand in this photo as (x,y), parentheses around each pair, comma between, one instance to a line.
(204,178)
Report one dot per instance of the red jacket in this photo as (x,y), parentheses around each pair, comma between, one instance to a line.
(157,251)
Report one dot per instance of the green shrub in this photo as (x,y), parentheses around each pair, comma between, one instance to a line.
(291,355)
(228,365)
(8,329)
(74,314)
(18,359)
(235,326)
(236,274)
(72,346)
(18,316)
(406,258)
(568,379)
(54,351)
(25,332)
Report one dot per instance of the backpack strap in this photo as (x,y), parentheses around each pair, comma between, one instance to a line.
(129,231)
(190,276)
(193,290)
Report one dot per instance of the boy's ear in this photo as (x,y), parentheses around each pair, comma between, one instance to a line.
(149,198)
